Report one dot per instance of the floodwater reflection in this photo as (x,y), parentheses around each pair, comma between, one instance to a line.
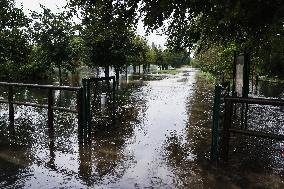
(159,137)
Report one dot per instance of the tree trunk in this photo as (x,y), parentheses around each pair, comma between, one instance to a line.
(60,75)
(144,68)
(126,73)
(107,71)
(139,69)
(117,76)
(60,83)
(107,75)
(98,71)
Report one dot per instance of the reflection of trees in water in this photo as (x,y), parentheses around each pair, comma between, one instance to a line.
(185,152)
(15,147)
(11,168)
(107,160)
(253,162)
(199,109)
(19,149)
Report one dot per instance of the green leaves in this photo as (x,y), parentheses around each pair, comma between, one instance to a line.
(14,46)
(52,33)
(108,31)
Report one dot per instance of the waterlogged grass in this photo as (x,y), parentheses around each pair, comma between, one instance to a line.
(209,77)
(173,72)
(272,79)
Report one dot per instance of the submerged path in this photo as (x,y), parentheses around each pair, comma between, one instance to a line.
(151,147)
(164,123)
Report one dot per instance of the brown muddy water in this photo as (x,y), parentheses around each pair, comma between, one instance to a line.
(160,138)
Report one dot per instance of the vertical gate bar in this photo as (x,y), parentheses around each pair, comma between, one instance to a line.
(113,90)
(246,116)
(50,113)
(126,73)
(242,115)
(88,111)
(226,132)
(216,122)
(234,73)
(113,98)
(80,114)
(11,106)
(85,123)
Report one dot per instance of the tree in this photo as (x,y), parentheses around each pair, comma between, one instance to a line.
(108,32)
(14,46)
(137,52)
(217,59)
(159,58)
(53,33)
(249,24)
(175,59)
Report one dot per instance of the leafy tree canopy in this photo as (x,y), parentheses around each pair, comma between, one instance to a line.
(14,46)
(52,34)
(108,31)
(246,22)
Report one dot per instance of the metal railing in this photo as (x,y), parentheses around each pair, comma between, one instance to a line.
(218,112)
(49,106)
(86,101)
(228,117)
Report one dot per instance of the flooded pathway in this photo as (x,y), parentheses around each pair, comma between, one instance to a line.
(161,139)
(165,116)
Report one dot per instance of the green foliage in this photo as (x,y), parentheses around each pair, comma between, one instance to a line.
(214,29)
(209,77)
(52,34)
(173,72)
(273,64)
(77,50)
(159,58)
(176,59)
(108,32)
(14,46)
(138,51)
(214,25)
(217,60)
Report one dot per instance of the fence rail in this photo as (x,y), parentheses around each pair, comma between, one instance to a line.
(260,101)
(82,104)
(66,88)
(49,106)
(226,130)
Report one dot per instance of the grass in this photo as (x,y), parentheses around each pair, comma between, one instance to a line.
(272,79)
(173,72)
(207,75)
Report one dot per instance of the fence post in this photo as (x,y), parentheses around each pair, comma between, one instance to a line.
(226,130)
(11,107)
(50,113)
(113,90)
(88,109)
(80,114)
(85,123)
(216,123)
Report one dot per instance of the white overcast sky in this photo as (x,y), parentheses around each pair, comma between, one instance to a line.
(55,4)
